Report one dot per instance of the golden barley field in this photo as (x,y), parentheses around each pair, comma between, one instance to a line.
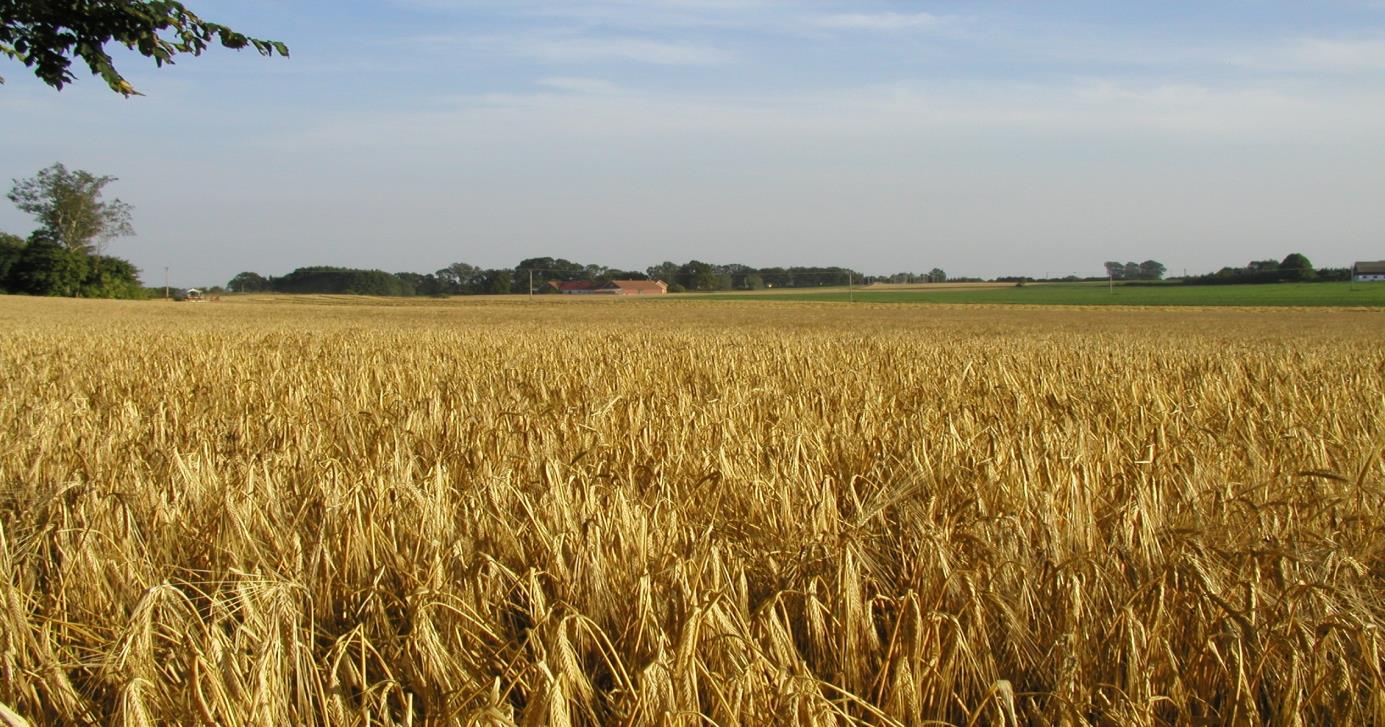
(322,512)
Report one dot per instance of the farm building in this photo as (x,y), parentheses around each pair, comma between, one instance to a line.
(573,287)
(613,287)
(635,287)
(1368,271)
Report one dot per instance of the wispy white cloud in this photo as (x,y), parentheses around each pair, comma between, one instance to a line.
(876,21)
(692,32)
(1294,55)
(569,48)
(1332,55)
(638,50)
(577,84)
(660,14)
(583,112)
(1059,44)
(627,14)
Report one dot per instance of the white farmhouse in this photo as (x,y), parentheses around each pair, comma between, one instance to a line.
(1364,272)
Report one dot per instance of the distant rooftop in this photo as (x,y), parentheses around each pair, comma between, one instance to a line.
(1376,267)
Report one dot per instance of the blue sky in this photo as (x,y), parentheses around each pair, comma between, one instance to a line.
(986,138)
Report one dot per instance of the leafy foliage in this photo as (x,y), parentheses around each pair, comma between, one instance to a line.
(110,277)
(696,275)
(45,267)
(542,270)
(422,284)
(46,36)
(325,279)
(462,278)
(11,247)
(1147,270)
(1295,267)
(497,282)
(248,282)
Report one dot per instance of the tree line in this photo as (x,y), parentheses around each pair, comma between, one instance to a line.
(698,276)
(1294,268)
(1147,270)
(936,275)
(465,279)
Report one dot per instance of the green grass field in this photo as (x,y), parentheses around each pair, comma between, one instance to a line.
(1282,294)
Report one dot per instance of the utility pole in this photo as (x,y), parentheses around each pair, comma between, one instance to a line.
(850,288)
(165,282)
(531,283)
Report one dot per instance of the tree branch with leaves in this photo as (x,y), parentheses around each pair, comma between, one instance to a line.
(46,36)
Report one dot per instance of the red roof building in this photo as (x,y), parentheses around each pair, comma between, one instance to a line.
(613,287)
(574,287)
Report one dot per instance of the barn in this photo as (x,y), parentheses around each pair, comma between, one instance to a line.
(574,287)
(1373,272)
(613,287)
(635,287)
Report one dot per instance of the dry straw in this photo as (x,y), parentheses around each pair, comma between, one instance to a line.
(687,514)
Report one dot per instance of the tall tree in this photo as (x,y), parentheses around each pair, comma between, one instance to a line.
(497,282)
(1296,267)
(459,278)
(697,275)
(1152,270)
(46,35)
(248,282)
(732,275)
(70,210)
(424,283)
(614,274)
(665,271)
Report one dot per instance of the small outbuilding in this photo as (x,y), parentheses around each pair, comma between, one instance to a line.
(1368,272)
